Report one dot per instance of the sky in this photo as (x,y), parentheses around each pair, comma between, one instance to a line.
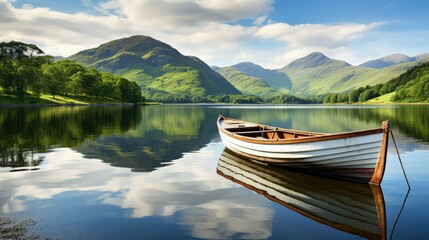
(271,33)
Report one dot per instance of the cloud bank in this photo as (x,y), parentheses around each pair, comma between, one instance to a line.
(213,30)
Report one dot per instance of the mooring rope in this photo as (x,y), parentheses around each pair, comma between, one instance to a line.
(399,214)
(399,157)
(406,179)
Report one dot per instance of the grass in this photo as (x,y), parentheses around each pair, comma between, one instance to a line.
(48,99)
(386,98)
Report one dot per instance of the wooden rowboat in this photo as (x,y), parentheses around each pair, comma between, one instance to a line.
(351,207)
(358,155)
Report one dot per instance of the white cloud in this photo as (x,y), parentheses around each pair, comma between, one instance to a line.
(27,6)
(208,29)
(315,35)
(260,20)
(191,13)
(62,32)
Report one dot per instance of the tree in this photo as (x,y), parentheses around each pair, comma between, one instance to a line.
(354,96)
(20,62)
(54,79)
(109,88)
(130,91)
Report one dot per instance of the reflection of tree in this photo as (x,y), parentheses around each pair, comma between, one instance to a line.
(411,119)
(18,157)
(25,131)
(165,134)
(146,138)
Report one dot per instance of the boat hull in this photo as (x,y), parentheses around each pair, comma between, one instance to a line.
(358,156)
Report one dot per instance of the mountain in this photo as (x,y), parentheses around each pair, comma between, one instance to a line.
(273,78)
(315,60)
(388,61)
(58,58)
(317,74)
(422,56)
(156,66)
(245,83)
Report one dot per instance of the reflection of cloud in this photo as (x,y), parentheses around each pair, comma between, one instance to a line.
(225,219)
(211,206)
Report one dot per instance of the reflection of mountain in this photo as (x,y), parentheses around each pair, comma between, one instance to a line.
(165,134)
(27,131)
(146,138)
(350,207)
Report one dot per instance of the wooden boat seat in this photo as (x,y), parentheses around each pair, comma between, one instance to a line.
(236,129)
(271,134)
(252,132)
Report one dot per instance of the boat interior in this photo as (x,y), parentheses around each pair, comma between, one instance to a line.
(263,132)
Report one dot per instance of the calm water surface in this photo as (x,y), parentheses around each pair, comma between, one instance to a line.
(152,172)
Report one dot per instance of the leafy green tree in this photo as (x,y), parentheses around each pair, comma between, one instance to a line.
(54,79)
(92,82)
(109,86)
(354,96)
(130,91)
(20,62)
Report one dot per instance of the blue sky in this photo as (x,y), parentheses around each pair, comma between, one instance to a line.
(225,32)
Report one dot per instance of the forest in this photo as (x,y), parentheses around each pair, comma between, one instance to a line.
(26,71)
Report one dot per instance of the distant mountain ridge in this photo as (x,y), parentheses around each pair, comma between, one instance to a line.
(317,74)
(389,61)
(314,60)
(155,66)
(162,70)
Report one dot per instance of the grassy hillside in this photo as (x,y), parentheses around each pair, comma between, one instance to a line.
(48,99)
(413,85)
(274,78)
(317,74)
(245,83)
(386,98)
(155,66)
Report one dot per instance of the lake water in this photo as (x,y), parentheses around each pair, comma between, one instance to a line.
(151,172)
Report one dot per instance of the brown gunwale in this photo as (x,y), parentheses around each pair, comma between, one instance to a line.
(315,137)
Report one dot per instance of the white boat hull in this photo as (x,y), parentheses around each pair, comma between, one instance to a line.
(353,156)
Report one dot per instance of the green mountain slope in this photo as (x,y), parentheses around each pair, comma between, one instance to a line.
(317,74)
(156,67)
(245,83)
(274,78)
(409,87)
(413,85)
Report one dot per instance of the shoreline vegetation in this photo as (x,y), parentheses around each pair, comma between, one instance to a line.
(28,101)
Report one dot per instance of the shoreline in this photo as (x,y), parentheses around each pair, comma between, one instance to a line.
(5,105)
(73,104)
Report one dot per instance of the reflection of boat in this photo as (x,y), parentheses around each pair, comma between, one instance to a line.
(351,207)
(358,155)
